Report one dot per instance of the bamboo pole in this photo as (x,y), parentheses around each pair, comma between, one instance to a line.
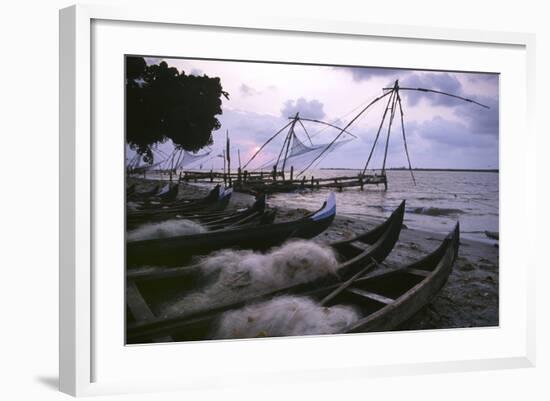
(378,132)
(305,130)
(224,174)
(265,144)
(344,129)
(392,115)
(325,123)
(347,283)
(443,93)
(228,152)
(405,138)
(291,135)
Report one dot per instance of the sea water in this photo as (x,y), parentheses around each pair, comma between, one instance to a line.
(437,201)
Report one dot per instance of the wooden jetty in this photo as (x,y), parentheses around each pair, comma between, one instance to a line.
(276,181)
(280,179)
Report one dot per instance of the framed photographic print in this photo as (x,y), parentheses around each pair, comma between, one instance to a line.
(289,198)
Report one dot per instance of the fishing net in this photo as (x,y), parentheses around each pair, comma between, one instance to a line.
(301,155)
(169,158)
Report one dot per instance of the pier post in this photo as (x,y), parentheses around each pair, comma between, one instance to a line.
(274,173)
(312,182)
(291,173)
(211,175)
(361,182)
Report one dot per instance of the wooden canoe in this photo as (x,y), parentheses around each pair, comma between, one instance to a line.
(178,250)
(375,245)
(209,204)
(152,204)
(388,299)
(140,196)
(168,193)
(130,190)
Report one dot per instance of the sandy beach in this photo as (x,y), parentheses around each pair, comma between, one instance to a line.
(470,296)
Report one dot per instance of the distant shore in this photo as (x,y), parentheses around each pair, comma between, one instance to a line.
(470,297)
(458,170)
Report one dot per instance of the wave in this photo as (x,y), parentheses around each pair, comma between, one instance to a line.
(434,211)
(430,198)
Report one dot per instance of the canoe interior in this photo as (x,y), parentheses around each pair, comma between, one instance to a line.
(384,299)
(198,324)
(201,329)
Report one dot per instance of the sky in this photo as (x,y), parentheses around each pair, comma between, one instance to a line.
(441,132)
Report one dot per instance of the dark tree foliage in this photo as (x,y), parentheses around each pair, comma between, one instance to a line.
(162,104)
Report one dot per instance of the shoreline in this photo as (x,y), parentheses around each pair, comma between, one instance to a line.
(470,298)
(450,170)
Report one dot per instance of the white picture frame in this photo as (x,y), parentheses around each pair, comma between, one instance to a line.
(82,328)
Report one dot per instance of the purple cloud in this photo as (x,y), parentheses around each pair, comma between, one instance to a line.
(452,134)
(443,82)
(307,108)
(248,90)
(366,73)
(481,121)
(250,126)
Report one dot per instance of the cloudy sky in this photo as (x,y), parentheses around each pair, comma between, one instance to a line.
(442,132)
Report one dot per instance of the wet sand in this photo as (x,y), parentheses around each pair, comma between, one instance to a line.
(468,299)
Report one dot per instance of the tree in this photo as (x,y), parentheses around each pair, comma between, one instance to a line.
(163,103)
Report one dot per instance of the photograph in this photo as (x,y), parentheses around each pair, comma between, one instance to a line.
(271,199)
